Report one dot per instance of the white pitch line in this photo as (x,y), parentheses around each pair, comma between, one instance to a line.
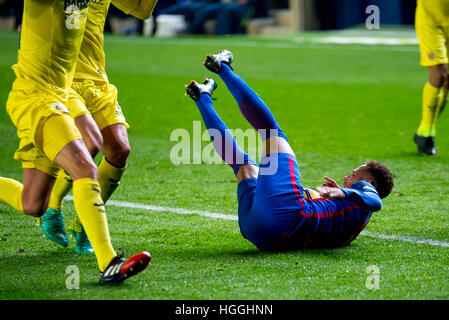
(213,215)
(124,204)
(173,210)
(406,239)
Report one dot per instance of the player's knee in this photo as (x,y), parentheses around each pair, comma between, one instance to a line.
(446,80)
(246,172)
(119,154)
(442,78)
(277,144)
(92,138)
(35,207)
(83,167)
(438,75)
(87,167)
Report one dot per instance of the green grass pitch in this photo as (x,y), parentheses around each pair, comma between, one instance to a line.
(340,105)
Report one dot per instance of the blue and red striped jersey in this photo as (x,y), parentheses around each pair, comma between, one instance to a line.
(332,223)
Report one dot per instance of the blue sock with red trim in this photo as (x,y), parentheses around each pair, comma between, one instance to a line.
(251,105)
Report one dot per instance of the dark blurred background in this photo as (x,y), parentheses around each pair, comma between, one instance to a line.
(269,17)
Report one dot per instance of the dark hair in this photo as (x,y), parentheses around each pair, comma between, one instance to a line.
(383,179)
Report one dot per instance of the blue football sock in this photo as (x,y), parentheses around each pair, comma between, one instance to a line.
(251,105)
(222,139)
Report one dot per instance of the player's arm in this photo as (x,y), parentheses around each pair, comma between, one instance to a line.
(364,195)
(361,193)
(140,9)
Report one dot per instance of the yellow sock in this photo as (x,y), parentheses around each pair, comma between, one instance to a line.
(90,209)
(11,193)
(442,99)
(109,178)
(62,186)
(430,99)
(442,102)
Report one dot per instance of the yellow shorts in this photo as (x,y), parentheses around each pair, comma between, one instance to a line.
(98,99)
(44,127)
(433,44)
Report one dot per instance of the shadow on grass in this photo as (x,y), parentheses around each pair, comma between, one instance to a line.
(229,253)
(411,155)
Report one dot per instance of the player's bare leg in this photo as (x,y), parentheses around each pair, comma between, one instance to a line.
(438,75)
(116,150)
(93,140)
(31,197)
(37,187)
(116,146)
(76,160)
(92,137)
(243,165)
(445,96)
(272,145)
(113,141)
(276,144)
(52,221)
(247,171)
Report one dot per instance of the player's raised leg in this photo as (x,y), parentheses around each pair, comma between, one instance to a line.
(222,139)
(251,105)
(279,172)
(244,167)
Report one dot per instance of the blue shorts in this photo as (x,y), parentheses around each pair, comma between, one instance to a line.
(270,206)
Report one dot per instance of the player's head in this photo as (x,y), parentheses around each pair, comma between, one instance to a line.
(375,173)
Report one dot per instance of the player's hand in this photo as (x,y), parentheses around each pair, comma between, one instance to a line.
(331,193)
(330,183)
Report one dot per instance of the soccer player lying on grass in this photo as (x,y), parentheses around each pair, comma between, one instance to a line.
(93,105)
(49,138)
(274,213)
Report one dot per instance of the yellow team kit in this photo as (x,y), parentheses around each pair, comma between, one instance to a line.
(91,91)
(44,73)
(46,84)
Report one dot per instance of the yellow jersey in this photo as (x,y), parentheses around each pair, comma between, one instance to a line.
(433,12)
(50,40)
(91,62)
